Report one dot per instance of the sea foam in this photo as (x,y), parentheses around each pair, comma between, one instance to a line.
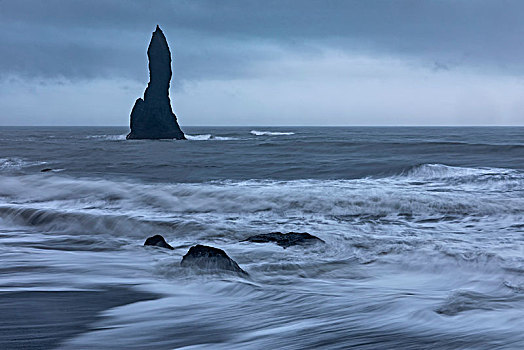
(271,133)
(206,137)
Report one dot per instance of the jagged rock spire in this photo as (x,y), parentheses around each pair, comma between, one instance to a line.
(152,116)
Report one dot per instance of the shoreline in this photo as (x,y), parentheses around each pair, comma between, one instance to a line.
(45,319)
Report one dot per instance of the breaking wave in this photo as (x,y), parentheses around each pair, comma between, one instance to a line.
(8,164)
(433,243)
(441,171)
(270,133)
(462,178)
(388,200)
(206,137)
(108,137)
(203,137)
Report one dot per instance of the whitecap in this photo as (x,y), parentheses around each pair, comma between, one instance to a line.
(494,179)
(108,137)
(271,133)
(439,171)
(17,163)
(198,137)
(206,137)
(335,200)
(224,138)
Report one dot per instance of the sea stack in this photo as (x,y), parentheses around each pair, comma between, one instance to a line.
(152,117)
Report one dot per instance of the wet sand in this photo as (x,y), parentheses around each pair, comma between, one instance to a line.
(44,319)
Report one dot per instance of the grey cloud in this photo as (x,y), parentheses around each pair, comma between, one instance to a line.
(222,39)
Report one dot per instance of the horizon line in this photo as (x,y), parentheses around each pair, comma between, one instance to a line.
(287,126)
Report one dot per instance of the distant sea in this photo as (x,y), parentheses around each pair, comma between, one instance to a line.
(423,231)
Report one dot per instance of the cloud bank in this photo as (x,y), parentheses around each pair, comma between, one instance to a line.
(266,63)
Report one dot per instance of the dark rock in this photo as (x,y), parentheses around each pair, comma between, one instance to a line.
(157,241)
(210,258)
(152,117)
(285,239)
(45,170)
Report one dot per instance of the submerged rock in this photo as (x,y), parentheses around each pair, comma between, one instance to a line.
(285,239)
(152,117)
(157,241)
(210,258)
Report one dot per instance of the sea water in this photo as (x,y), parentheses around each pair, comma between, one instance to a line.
(423,231)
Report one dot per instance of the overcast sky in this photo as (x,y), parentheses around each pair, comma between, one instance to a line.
(266,62)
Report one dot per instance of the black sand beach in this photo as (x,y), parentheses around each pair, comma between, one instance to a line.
(43,319)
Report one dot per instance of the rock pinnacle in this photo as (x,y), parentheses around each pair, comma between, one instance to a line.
(152,116)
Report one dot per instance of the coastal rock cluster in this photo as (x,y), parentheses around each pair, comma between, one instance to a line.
(152,116)
(213,259)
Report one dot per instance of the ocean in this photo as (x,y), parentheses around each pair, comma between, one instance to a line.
(423,230)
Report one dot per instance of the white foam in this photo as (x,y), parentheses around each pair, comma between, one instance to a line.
(446,172)
(206,137)
(268,199)
(198,137)
(17,163)
(271,133)
(223,138)
(108,137)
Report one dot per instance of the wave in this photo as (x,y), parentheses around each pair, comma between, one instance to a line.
(365,219)
(203,137)
(108,137)
(495,145)
(270,133)
(8,164)
(206,137)
(74,221)
(385,200)
(492,179)
(439,171)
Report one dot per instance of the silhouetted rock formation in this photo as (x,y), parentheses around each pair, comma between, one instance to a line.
(285,239)
(152,117)
(157,241)
(210,258)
